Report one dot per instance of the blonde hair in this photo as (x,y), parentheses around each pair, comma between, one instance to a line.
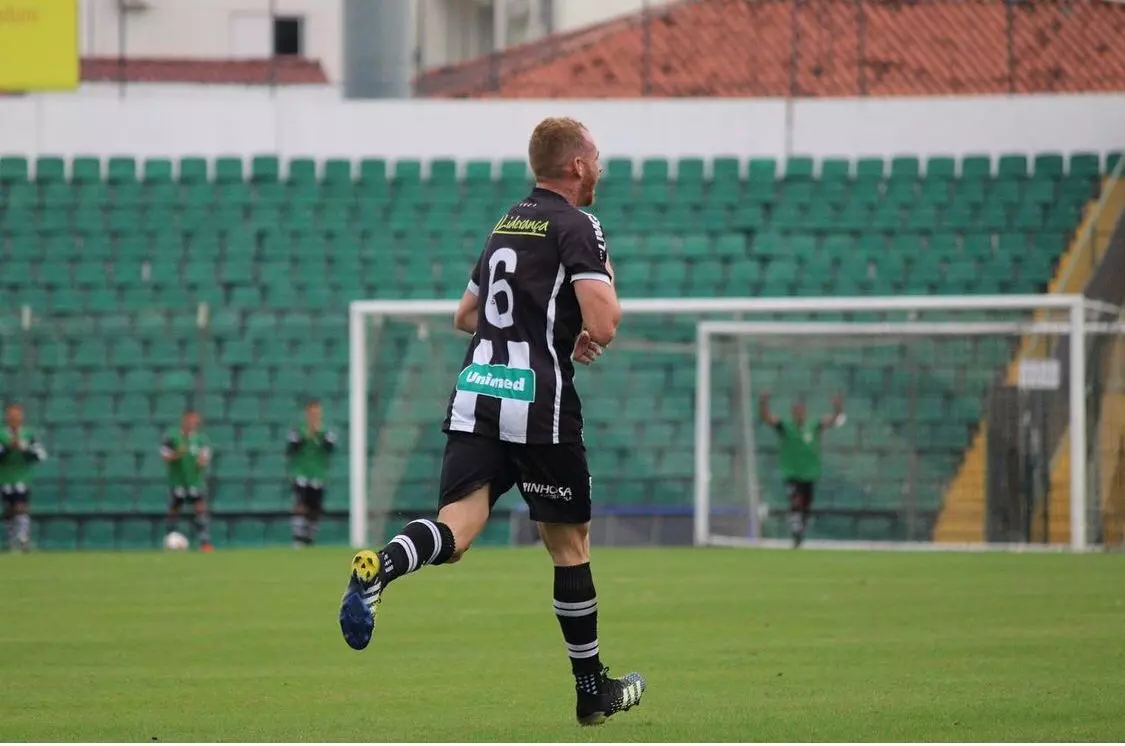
(553,142)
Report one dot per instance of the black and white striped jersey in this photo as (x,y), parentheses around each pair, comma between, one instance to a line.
(517,381)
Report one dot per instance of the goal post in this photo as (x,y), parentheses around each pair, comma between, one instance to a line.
(656,439)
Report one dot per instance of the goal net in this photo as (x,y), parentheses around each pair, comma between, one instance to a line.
(647,439)
(986,421)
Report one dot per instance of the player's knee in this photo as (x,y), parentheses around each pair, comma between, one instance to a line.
(566,543)
(21,508)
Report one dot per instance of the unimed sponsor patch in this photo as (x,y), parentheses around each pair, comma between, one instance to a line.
(499,381)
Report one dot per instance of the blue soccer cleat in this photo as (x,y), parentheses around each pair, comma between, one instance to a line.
(361,600)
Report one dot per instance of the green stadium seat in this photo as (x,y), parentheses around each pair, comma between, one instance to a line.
(264,169)
(870,169)
(798,167)
(157,171)
(1048,166)
(193,170)
(121,170)
(1012,166)
(228,170)
(13,170)
(941,167)
(407,171)
(85,170)
(50,169)
(655,170)
(976,167)
(905,168)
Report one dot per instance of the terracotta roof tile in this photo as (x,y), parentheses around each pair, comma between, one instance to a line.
(814,48)
(276,71)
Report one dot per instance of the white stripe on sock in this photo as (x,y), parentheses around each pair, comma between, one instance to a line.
(575,609)
(588,653)
(575,604)
(411,553)
(580,648)
(437,538)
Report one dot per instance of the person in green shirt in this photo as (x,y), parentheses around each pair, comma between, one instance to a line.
(308,451)
(800,456)
(20,451)
(187,452)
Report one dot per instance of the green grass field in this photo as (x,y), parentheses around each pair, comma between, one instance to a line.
(736,645)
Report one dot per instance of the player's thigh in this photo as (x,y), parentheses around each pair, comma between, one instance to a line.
(198,500)
(475,472)
(20,497)
(314,500)
(300,501)
(808,492)
(555,482)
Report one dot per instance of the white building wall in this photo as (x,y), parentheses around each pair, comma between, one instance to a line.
(572,14)
(214,29)
(211,121)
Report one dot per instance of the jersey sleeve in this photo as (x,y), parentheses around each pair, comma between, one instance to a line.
(35,450)
(474,279)
(329,441)
(583,251)
(168,446)
(293,442)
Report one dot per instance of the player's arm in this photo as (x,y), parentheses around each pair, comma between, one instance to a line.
(583,253)
(764,411)
(837,417)
(293,442)
(204,456)
(168,451)
(34,450)
(328,443)
(465,317)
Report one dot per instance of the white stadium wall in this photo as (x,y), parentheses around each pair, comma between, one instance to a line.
(155,120)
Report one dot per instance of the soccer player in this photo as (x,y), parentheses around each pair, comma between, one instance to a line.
(541,292)
(20,451)
(800,456)
(309,451)
(188,454)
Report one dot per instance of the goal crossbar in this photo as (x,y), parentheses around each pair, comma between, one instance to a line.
(359,311)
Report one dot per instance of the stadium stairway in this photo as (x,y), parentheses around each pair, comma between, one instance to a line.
(113,257)
(962,518)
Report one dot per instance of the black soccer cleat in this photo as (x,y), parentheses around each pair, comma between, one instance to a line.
(614,695)
(361,600)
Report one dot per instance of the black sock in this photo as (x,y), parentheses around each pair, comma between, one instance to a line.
(420,542)
(203,527)
(576,606)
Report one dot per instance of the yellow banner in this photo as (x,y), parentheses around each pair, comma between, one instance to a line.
(38,44)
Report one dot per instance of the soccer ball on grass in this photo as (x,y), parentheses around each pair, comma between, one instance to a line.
(175,542)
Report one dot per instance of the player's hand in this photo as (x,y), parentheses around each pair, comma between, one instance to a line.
(586,350)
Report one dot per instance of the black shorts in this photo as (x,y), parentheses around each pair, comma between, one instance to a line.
(312,497)
(15,493)
(801,489)
(180,495)
(554,479)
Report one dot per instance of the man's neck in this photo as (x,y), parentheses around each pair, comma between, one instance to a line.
(569,192)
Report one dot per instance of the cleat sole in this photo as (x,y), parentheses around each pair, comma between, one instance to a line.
(356,621)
